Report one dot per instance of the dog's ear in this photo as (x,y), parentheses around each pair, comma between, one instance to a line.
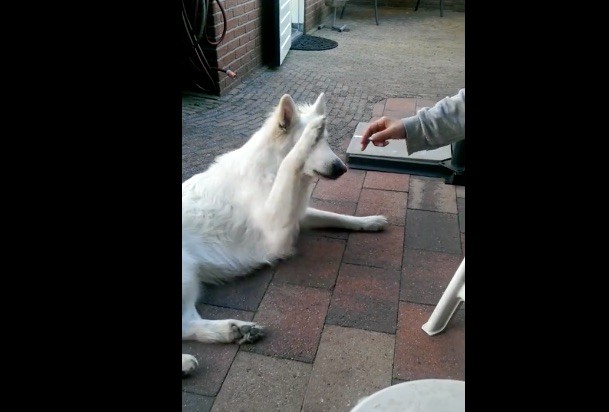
(320,104)
(287,111)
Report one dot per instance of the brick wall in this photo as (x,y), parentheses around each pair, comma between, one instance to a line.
(315,12)
(454,5)
(241,47)
(240,50)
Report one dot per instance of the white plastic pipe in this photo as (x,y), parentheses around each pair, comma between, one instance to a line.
(452,297)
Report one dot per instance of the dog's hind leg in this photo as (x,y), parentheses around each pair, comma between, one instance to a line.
(321,219)
(210,331)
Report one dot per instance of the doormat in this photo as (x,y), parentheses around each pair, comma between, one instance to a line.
(314,43)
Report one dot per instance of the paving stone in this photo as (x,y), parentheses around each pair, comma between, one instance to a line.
(434,231)
(460,190)
(263,383)
(213,126)
(294,318)
(431,194)
(365,298)
(347,187)
(420,356)
(379,108)
(461,208)
(379,249)
(242,293)
(383,202)
(401,105)
(426,274)
(463,243)
(387,181)
(422,103)
(316,263)
(397,114)
(350,364)
(192,402)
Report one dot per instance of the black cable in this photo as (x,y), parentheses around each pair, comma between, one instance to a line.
(199,61)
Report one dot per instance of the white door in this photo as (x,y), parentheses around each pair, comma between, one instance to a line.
(297,12)
(285,28)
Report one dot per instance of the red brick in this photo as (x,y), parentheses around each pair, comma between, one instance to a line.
(383,202)
(421,103)
(379,249)
(316,263)
(420,356)
(365,298)
(379,108)
(431,194)
(463,243)
(347,187)
(242,293)
(387,181)
(263,383)
(435,231)
(350,364)
(396,114)
(196,403)
(293,317)
(461,209)
(401,105)
(425,275)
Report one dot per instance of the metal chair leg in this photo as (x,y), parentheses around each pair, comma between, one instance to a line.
(375,13)
(451,299)
(416,7)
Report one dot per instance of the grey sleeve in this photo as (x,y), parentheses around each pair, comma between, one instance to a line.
(437,126)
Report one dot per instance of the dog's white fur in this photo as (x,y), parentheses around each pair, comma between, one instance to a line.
(247,209)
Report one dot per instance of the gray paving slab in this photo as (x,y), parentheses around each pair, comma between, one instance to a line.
(263,383)
(192,402)
(350,364)
(431,194)
(434,231)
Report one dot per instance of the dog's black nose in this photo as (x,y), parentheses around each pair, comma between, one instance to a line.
(338,169)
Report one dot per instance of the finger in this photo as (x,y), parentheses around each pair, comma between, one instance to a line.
(365,141)
(366,138)
(372,128)
(380,144)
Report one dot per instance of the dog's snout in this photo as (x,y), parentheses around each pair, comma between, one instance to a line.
(338,169)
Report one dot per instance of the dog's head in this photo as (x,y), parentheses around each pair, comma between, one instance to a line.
(292,120)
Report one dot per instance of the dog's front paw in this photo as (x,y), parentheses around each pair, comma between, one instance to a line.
(315,130)
(189,364)
(313,133)
(374,223)
(247,332)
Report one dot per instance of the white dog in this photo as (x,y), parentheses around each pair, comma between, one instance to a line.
(247,209)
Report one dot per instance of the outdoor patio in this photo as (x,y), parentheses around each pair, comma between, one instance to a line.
(343,318)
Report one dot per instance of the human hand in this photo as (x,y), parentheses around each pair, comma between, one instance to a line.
(381,130)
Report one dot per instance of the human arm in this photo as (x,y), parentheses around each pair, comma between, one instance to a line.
(430,128)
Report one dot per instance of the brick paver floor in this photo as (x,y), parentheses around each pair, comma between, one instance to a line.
(344,316)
